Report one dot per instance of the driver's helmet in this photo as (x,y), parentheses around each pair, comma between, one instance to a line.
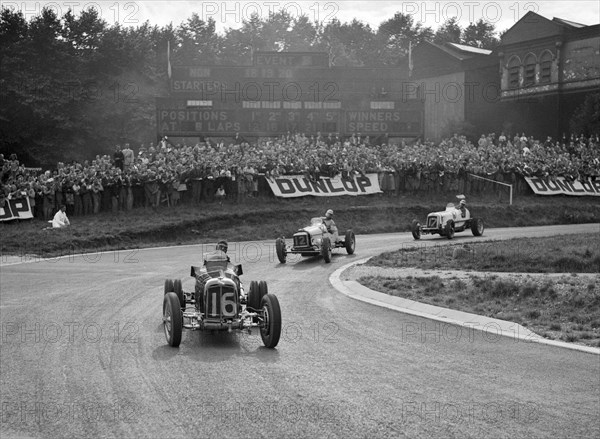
(329,214)
(462,203)
(222,245)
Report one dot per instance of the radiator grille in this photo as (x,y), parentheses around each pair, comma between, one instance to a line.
(300,240)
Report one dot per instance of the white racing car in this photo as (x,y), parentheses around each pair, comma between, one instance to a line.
(315,240)
(447,222)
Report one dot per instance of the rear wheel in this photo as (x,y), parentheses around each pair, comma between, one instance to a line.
(415,228)
(178,289)
(172,319)
(280,248)
(263,289)
(271,313)
(350,242)
(254,296)
(477,226)
(169,286)
(326,249)
(449,229)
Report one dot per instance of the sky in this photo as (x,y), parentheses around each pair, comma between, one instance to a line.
(230,14)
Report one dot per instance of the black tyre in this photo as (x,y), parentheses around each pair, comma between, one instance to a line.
(415,228)
(271,313)
(178,289)
(326,249)
(280,248)
(350,242)
(449,229)
(477,226)
(169,286)
(254,296)
(172,319)
(263,289)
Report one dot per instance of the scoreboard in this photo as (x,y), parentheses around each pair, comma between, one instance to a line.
(295,92)
(265,122)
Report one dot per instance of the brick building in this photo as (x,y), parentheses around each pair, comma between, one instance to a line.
(547,67)
(532,82)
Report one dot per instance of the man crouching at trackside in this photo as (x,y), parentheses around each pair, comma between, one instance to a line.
(330,224)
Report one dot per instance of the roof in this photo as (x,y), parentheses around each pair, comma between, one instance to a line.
(568,23)
(533,26)
(460,52)
(472,49)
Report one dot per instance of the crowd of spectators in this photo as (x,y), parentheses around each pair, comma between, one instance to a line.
(169,174)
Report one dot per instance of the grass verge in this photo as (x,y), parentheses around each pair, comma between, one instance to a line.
(563,307)
(574,253)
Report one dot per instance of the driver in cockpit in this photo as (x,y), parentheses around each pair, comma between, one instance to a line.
(330,224)
(462,206)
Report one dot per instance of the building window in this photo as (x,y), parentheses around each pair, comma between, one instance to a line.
(250,104)
(196,103)
(529,72)
(382,105)
(313,105)
(546,67)
(514,66)
(292,105)
(332,106)
(273,105)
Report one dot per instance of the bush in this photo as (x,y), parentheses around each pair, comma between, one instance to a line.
(529,289)
(503,288)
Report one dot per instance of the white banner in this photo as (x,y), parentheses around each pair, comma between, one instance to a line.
(559,186)
(17,208)
(288,186)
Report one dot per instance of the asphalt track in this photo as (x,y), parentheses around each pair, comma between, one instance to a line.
(83,354)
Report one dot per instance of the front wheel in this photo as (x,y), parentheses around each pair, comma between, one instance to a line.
(326,249)
(415,228)
(172,319)
(477,226)
(271,328)
(449,229)
(280,248)
(350,242)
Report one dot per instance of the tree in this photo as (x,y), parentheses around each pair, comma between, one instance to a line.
(449,32)
(396,34)
(481,34)
(586,119)
(199,42)
(350,44)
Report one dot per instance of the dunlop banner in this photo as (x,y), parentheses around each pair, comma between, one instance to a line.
(288,186)
(17,208)
(559,185)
